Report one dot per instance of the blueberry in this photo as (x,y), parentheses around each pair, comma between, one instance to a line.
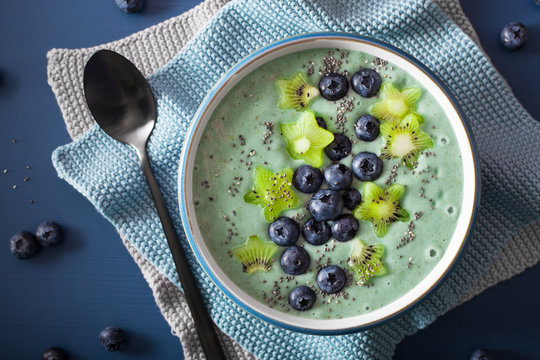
(130,6)
(321,122)
(48,234)
(351,198)
(316,232)
(366,82)
(112,338)
(54,353)
(23,245)
(326,205)
(331,279)
(302,298)
(367,128)
(514,35)
(482,354)
(339,148)
(307,179)
(345,228)
(284,231)
(367,166)
(338,176)
(295,260)
(333,86)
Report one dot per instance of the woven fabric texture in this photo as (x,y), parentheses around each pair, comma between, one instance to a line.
(418,27)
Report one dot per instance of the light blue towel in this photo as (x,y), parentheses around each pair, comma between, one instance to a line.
(109,175)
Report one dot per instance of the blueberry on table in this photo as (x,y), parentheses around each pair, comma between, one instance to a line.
(326,205)
(351,198)
(366,82)
(54,353)
(338,177)
(331,279)
(333,86)
(112,338)
(23,245)
(302,298)
(295,260)
(130,6)
(367,166)
(367,128)
(345,228)
(482,354)
(514,35)
(48,234)
(339,148)
(316,232)
(307,179)
(284,231)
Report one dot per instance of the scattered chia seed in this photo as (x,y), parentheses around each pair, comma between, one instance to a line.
(14,141)
(26,179)
(14,187)
(242,140)
(5,171)
(211,198)
(31,201)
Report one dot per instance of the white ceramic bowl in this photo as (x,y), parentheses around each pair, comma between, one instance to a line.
(465,220)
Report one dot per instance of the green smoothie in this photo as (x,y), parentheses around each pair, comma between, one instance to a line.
(244,132)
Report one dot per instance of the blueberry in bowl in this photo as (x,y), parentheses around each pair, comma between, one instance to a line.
(284,231)
(331,279)
(333,86)
(367,166)
(367,128)
(307,179)
(326,205)
(366,82)
(316,232)
(338,177)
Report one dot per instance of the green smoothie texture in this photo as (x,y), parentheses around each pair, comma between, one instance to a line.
(243,132)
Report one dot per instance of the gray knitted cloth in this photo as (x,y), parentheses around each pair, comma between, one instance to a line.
(151,49)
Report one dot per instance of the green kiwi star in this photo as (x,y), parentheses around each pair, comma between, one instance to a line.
(381,207)
(393,104)
(365,261)
(272,192)
(405,141)
(306,140)
(295,92)
(255,254)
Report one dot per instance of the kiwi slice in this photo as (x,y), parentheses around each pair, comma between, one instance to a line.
(365,261)
(272,191)
(295,92)
(306,140)
(255,254)
(405,141)
(381,207)
(394,104)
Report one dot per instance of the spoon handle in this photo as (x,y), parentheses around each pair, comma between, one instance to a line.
(203,322)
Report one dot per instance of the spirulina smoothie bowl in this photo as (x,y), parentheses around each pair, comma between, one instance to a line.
(328,183)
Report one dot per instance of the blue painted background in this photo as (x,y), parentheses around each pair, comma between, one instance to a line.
(65,296)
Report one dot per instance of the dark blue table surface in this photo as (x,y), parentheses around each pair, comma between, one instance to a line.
(66,295)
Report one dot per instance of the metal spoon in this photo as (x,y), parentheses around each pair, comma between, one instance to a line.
(122,104)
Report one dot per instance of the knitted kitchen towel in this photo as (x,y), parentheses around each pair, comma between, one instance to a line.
(115,184)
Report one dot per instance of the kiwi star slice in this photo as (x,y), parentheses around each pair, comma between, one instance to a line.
(405,141)
(381,207)
(306,140)
(255,254)
(365,261)
(394,105)
(295,92)
(272,191)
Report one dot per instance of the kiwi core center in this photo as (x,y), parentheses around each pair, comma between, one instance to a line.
(397,107)
(384,210)
(302,145)
(402,145)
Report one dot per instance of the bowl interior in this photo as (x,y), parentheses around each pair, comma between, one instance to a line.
(341,41)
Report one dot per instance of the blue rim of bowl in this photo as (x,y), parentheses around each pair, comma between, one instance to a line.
(216,88)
